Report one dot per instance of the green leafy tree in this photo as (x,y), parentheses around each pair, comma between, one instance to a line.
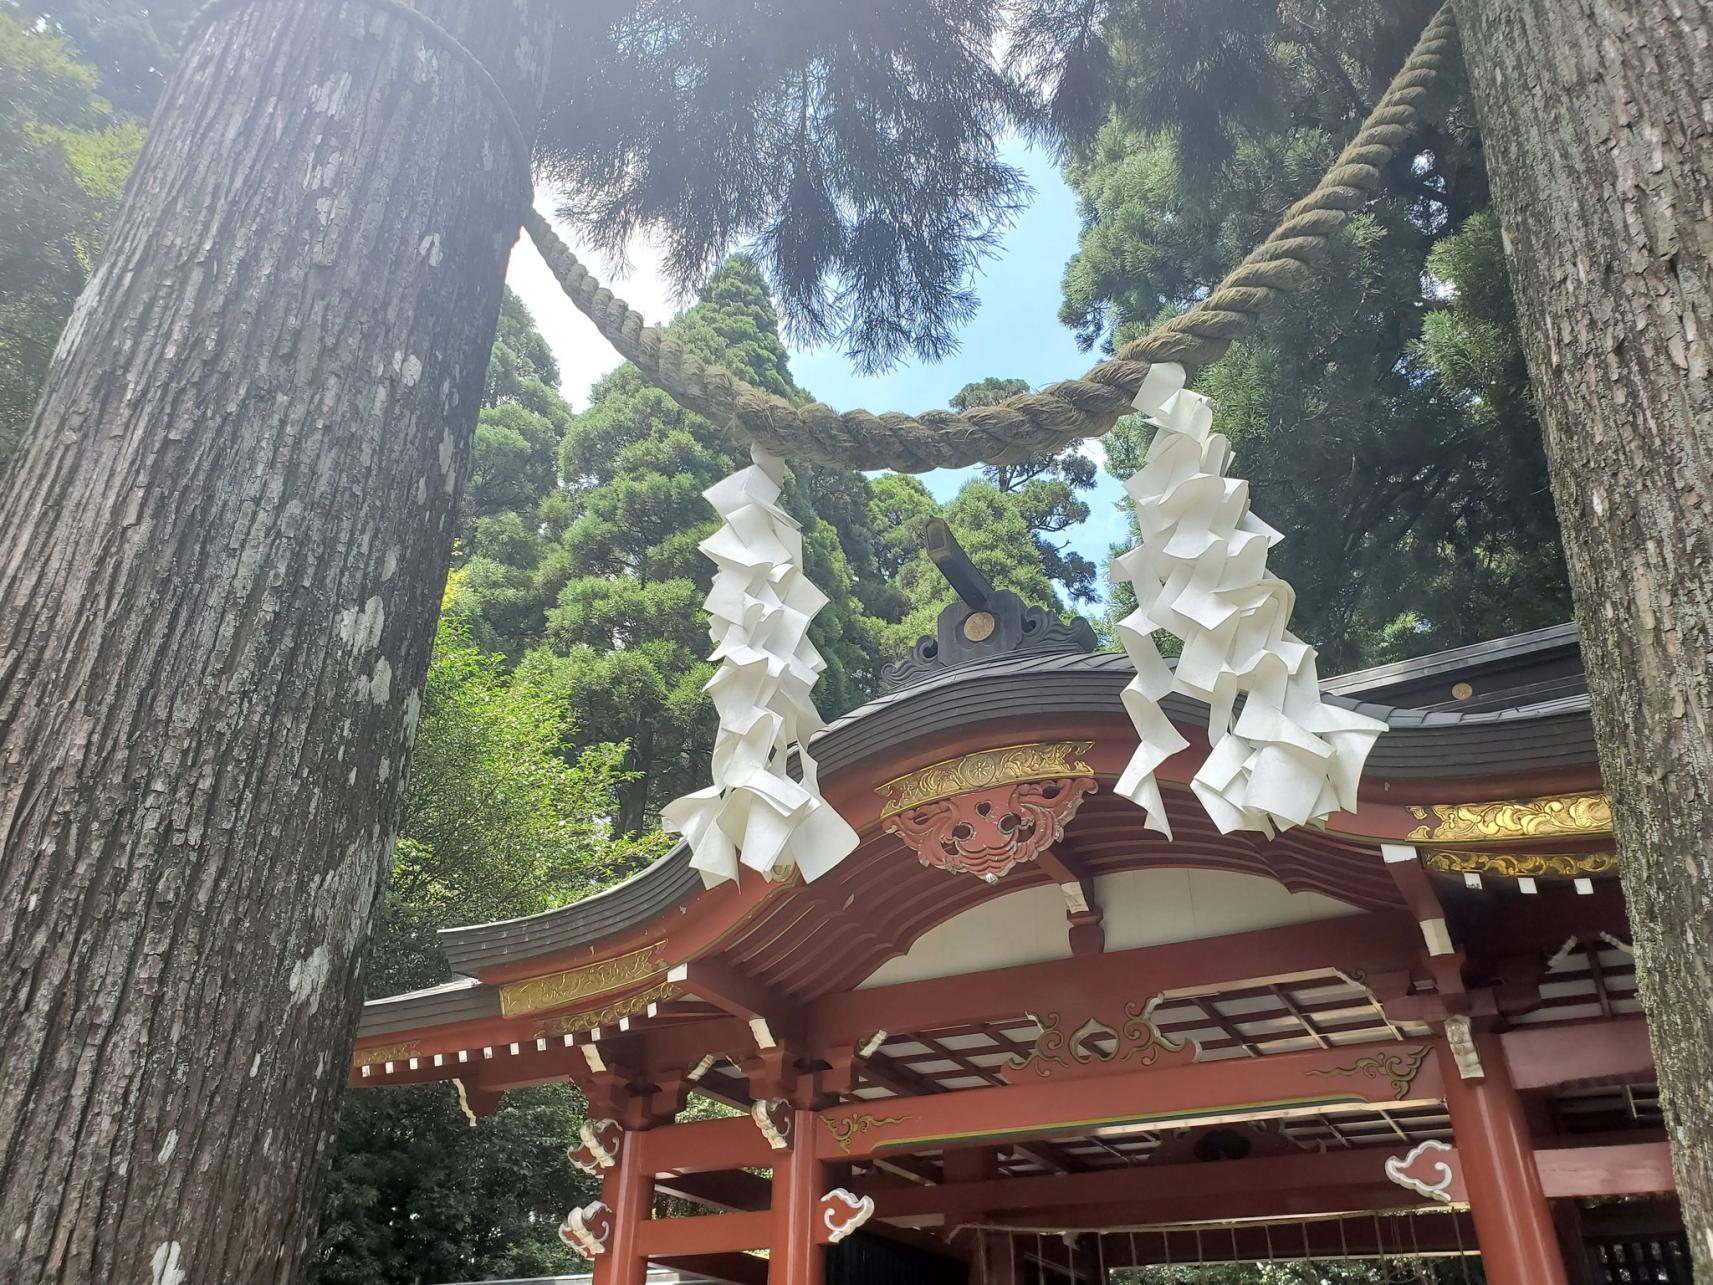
(592,571)
(1046,490)
(500,819)
(1382,415)
(64,156)
(854,147)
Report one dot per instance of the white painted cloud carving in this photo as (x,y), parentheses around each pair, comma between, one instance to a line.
(754,814)
(1200,573)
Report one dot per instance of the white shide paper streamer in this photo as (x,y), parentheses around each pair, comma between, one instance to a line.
(1200,573)
(759,611)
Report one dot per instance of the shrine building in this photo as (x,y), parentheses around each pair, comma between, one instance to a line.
(1017,1039)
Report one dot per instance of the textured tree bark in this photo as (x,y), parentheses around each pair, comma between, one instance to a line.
(221,555)
(1599,120)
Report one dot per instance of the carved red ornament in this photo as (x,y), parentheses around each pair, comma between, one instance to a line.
(987,832)
(597,1147)
(588,1229)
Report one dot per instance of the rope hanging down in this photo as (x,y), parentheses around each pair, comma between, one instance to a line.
(1030,424)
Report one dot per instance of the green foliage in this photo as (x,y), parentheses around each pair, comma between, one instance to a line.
(853,146)
(131,45)
(1045,492)
(416,1194)
(498,819)
(1383,414)
(586,565)
(64,156)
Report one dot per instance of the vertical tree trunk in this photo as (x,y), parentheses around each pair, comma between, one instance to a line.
(1598,118)
(221,554)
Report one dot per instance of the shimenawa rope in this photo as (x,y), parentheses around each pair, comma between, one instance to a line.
(1030,424)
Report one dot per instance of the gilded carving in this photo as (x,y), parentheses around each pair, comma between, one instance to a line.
(607,1014)
(846,1129)
(386,1053)
(1559,814)
(1398,1066)
(1096,1043)
(1521,865)
(985,770)
(557,989)
(987,833)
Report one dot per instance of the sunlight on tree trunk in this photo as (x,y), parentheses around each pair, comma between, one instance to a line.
(1602,164)
(221,556)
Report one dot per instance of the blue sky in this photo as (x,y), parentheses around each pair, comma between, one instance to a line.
(1016,334)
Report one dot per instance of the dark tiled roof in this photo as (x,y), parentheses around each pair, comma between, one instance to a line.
(1420,744)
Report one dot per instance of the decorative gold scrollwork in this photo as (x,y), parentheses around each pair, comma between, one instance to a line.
(1096,1041)
(1521,865)
(1553,815)
(1398,1066)
(537,993)
(985,770)
(847,1128)
(607,1014)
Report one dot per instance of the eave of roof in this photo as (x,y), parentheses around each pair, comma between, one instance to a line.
(1476,655)
(1420,744)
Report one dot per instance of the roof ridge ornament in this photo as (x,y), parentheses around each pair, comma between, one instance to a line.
(982,622)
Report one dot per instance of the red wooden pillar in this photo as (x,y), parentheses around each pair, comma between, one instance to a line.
(1513,1223)
(799,1182)
(628,1190)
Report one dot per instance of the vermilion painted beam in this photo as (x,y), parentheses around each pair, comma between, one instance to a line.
(703,1146)
(710,1234)
(1543,1056)
(1187,1092)
(1325,1179)
(741,996)
(1380,942)
(1634,1169)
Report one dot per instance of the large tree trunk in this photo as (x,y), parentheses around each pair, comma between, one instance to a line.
(221,554)
(1598,118)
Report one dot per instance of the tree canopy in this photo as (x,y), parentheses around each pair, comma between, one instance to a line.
(1383,415)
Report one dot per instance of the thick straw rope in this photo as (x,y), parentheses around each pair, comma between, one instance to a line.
(1030,424)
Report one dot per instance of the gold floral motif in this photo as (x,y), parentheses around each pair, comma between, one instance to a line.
(555,989)
(386,1053)
(1138,1038)
(985,770)
(1399,1067)
(1557,814)
(1520,865)
(847,1128)
(607,1014)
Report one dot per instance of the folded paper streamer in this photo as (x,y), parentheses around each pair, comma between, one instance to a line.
(759,611)
(1200,573)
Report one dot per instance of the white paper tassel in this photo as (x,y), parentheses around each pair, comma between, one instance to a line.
(759,611)
(1200,573)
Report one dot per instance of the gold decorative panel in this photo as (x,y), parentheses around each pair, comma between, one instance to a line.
(1398,1066)
(1522,865)
(1506,819)
(382,1053)
(985,770)
(607,1014)
(558,989)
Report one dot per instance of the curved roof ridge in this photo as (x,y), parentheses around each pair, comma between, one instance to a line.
(1420,743)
